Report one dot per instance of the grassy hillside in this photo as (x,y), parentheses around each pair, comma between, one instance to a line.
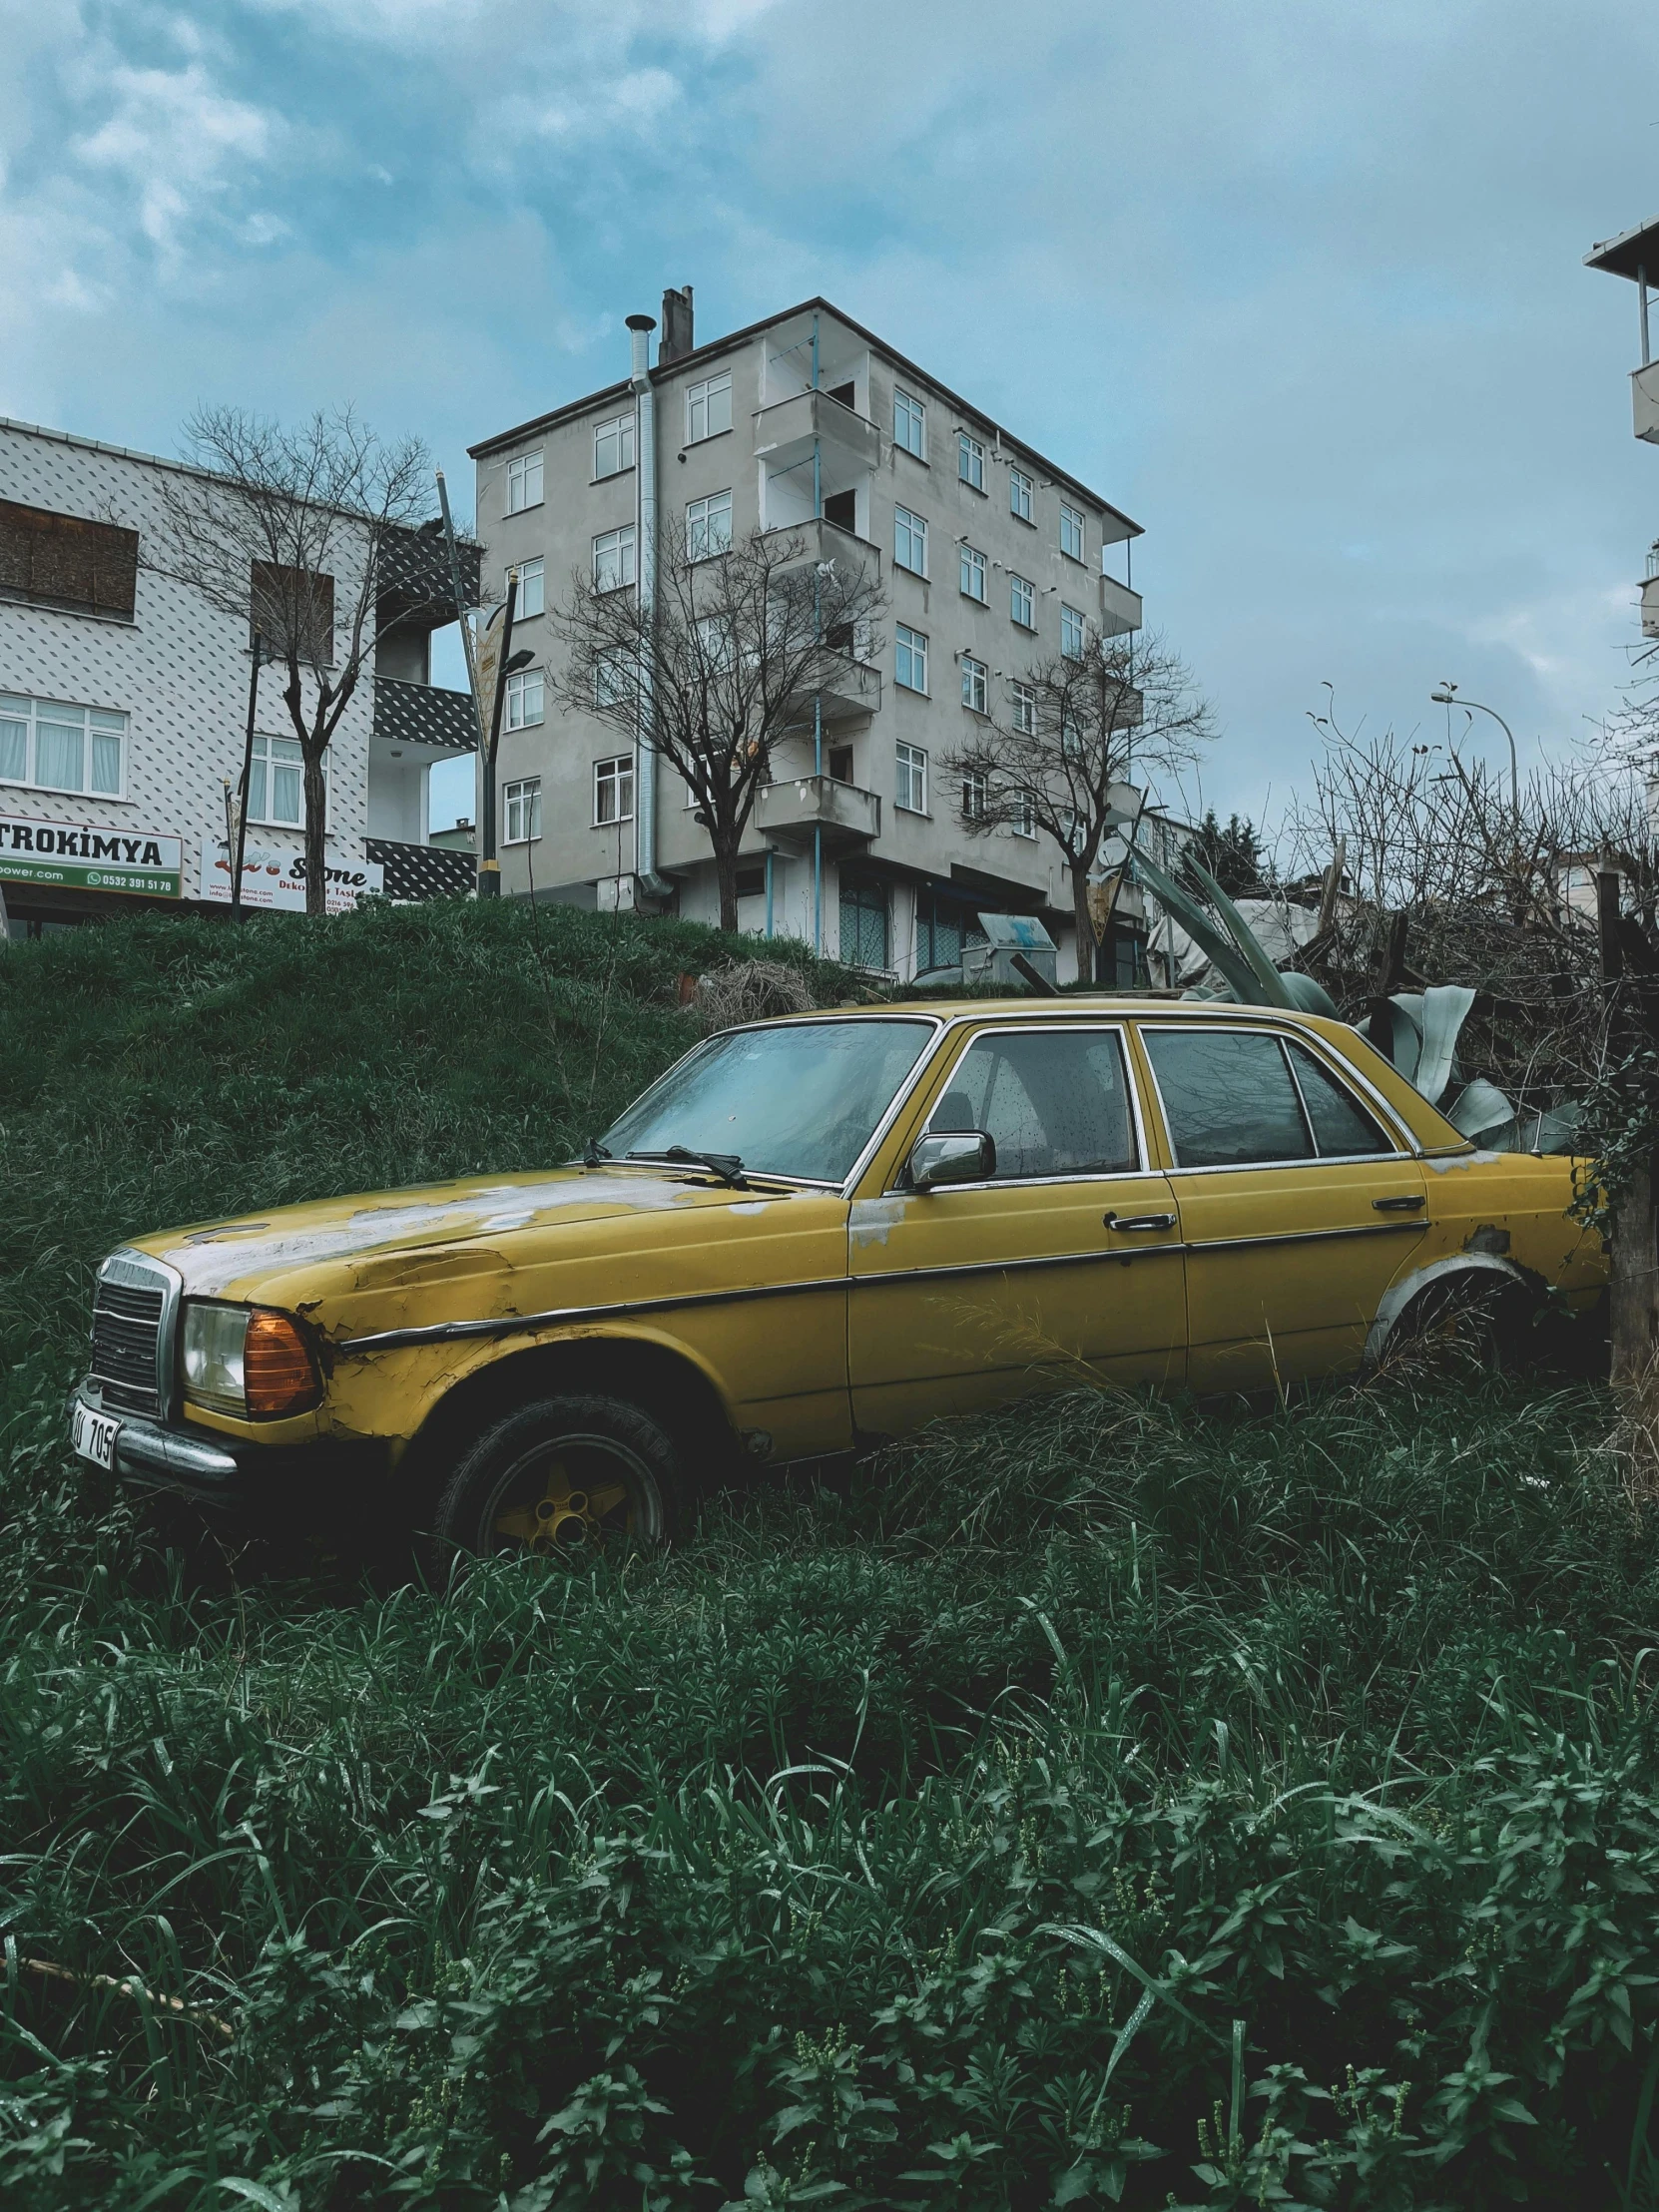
(1117,1802)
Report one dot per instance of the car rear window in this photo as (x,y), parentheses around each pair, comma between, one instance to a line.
(1231,1100)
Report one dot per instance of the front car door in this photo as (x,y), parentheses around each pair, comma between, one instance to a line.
(1300,1204)
(1063,1267)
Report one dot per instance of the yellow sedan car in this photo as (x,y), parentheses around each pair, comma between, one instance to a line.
(810,1234)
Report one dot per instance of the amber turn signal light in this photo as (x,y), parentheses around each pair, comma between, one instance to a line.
(278,1373)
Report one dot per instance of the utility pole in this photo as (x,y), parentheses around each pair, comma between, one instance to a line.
(240,853)
(507,662)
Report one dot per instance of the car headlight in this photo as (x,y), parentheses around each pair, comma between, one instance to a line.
(248,1361)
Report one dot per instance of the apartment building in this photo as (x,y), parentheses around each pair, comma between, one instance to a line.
(124,712)
(1634,255)
(991,557)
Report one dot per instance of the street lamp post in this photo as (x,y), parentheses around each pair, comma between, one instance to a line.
(1446,696)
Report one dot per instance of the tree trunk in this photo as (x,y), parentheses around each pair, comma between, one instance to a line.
(1634,1285)
(1084,921)
(316,830)
(726,873)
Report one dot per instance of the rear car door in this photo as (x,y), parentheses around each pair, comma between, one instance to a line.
(1064,1266)
(1299,1204)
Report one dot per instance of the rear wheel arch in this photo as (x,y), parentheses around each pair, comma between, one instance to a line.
(1459,1270)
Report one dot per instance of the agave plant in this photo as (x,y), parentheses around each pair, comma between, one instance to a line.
(1416,1030)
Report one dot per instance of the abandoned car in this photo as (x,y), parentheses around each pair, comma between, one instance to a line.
(812,1233)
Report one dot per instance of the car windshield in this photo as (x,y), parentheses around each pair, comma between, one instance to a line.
(801,1100)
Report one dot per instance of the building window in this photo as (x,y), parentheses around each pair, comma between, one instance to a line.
(613,559)
(912,778)
(976,791)
(55,560)
(1025,710)
(973,573)
(610,685)
(970,461)
(293,606)
(532,591)
(523,484)
(944,926)
(613,447)
(973,682)
(612,790)
(55,748)
(521,812)
(863,906)
(709,409)
(909,541)
(277,781)
(1071,532)
(1071,633)
(1023,601)
(709,525)
(1019,495)
(524,698)
(1025,823)
(911,659)
(909,423)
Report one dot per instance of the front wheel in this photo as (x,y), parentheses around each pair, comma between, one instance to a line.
(563,1477)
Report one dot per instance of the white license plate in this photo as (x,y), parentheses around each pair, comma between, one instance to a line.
(95,1436)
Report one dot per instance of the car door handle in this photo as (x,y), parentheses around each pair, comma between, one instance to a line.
(1402,1204)
(1138,1221)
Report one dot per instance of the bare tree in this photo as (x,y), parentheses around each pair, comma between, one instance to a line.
(722,669)
(297,533)
(1048,758)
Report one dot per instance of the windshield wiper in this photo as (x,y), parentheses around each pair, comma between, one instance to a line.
(594,1154)
(726,1166)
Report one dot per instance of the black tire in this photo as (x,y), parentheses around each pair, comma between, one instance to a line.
(568,1476)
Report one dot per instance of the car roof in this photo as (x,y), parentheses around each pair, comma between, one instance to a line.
(1028,1008)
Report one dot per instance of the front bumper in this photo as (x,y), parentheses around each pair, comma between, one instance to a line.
(230,1472)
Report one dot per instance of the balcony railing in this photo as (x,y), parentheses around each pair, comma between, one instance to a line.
(415,584)
(826,541)
(787,431)
(1120,608)
(794,808)
(1645,401)
(850,688)
(1650,607)
(424,714)
(423,870)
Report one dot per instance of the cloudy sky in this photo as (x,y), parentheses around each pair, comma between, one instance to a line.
(1297,283)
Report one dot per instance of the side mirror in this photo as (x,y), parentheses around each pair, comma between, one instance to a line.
(962,1156)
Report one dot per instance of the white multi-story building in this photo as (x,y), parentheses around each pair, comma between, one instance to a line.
(1635,254)
(123,709)
(991,558)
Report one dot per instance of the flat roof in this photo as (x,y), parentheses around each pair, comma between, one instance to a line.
(1630,253)
(619,390)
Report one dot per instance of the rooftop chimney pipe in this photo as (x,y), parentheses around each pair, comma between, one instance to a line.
(677,337)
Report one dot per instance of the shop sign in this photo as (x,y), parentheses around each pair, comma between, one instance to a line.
(273,878)
(77,857)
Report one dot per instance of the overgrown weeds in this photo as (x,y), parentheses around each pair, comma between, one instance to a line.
(1103,1802)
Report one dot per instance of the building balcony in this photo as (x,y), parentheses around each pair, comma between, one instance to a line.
(1120,608)
(1650,607)
(822,540)
(790,812)
(787,431)
(423,870)
(851,688)
(415,584)
(1645,401)
(424,715)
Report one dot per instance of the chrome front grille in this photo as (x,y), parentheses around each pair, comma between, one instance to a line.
(132,1314)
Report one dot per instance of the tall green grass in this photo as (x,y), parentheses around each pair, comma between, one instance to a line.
(1107,1802)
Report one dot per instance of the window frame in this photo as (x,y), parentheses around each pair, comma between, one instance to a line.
(977,794)
(907,640)
(1024,695)
(974,564)
(517,688)
(525,462)
(263,761)
(1069,615)
(712,503)
(918,409)
(1071,514)
(1017,584)
(1126,1062)
(905,767)
(620,765)
(514,792)
(1020,483)
(626,539)
(915,528)
(970,461)
(1344,1076)
(716,387)
(977,679)
(535,567)
(90,729)
(622,428)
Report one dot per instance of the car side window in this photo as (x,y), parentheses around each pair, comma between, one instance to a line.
(1342,1127)
(1228,1097)
(1052,1102)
